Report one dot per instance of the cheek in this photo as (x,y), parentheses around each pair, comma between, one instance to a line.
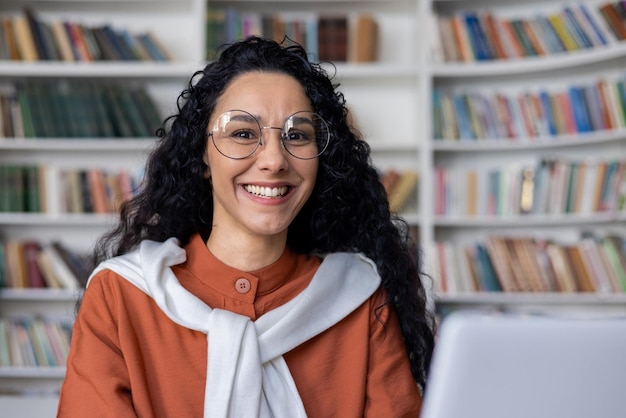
(310,174)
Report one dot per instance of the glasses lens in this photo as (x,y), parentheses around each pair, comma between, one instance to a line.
(305,135)
(236,134)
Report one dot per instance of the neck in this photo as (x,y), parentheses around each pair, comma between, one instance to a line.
(246,253)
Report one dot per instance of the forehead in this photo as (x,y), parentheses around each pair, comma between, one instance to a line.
(264,93)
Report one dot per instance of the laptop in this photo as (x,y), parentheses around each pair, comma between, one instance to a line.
(523,366)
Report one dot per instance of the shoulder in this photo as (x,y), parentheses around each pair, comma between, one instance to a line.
(347,261)
(149,255)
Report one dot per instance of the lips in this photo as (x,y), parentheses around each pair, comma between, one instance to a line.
(266,192)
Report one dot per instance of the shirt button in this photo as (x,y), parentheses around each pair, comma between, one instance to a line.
(242,285)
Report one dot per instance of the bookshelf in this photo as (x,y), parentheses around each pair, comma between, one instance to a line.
(453,223)
(179,26)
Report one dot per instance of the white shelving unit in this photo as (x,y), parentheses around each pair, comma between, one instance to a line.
(502,74)
(180,27)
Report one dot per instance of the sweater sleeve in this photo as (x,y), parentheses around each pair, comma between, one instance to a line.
(97,381)
(391,390)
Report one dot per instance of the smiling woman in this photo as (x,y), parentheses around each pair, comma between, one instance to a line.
(259,272)
(243,158)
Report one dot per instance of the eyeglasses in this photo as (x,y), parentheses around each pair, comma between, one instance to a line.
(237,134)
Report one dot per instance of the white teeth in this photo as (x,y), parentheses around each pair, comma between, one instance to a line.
(266,191)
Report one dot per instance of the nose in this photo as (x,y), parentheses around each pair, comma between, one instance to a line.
(272,155)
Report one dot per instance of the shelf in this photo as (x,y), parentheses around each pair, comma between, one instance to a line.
(548,299)
(61,219)
(379,146)
(565,219)
(47,295)
(55,372)
(546,142)
(380,70)
(529,64)
(76,144)
(60,69)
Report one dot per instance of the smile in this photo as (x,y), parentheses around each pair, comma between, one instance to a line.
(267,192)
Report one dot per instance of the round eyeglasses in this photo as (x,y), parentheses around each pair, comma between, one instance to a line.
(237,134)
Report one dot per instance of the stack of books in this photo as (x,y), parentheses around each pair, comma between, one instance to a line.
(479,36)
(26,37)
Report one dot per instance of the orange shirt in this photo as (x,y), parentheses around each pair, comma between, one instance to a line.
(128,359)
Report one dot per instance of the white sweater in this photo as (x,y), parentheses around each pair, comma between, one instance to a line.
(246,373)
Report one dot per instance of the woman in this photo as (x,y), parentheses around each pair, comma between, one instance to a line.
(259,271)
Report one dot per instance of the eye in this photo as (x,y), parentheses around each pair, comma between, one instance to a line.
(244,134)
(299,136)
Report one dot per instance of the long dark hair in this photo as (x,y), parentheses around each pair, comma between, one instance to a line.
(347,211)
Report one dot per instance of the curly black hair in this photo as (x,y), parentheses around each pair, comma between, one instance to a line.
(347,211)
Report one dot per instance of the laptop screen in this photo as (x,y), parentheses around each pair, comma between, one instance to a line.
(522,366)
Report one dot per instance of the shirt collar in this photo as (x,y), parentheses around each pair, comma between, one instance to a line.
(214,273)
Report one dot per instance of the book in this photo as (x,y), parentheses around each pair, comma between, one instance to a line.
(592,259)
(62,273)
(581,272)
(131,112)
(39,345)
(520,276)
(9,35)
(120,123)
(556,20)
(613,19)
(79,46)
(546,270)
(16,268)
(97,190)
(478,39)
(365,39)
(574,28)
(461,38)
(490,25)
(446,36)
(518,30)
(34,275)
(85,192)
(36,30)
(614,275)
(24,40)
(79,265)
(48,271)
(401,192)
(588,26)
(501,259)
(550,34)
(580,110)
(485,271)
(562,268)
(107,49)
(533,38)
(90,42)
(333,38)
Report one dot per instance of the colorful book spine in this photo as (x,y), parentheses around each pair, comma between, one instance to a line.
(577,109)
(479,35)
(525,264)
(33,38)
(552,186)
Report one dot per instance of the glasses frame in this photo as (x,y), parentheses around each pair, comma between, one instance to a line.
(281,129)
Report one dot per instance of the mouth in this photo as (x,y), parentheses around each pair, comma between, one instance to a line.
(267,192)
